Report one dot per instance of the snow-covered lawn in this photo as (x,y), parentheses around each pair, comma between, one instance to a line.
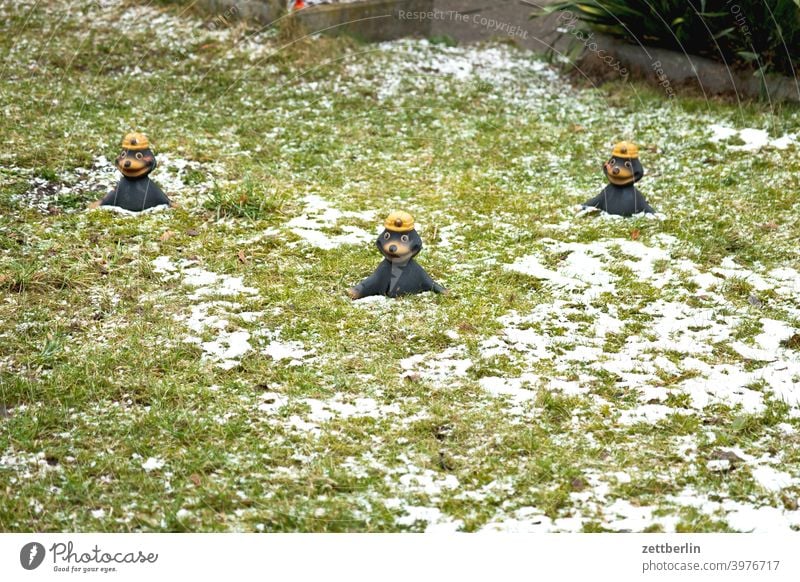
(201,368)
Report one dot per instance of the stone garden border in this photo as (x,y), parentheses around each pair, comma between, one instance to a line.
(604,58)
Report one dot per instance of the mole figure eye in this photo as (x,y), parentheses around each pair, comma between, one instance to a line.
(386,236)
(628,165)
(404,238)
(122,155)
(138,155)
(612,161)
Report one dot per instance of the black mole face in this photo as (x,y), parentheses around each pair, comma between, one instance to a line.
(622,171)
(399,247)
(136,163)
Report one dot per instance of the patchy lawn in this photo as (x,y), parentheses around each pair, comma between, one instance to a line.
(202,369)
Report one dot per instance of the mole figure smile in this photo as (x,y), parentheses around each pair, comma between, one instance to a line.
(398,274)
(621,196)
(135,191)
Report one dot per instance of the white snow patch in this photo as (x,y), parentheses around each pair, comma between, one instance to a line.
(428,482)
(153,464)
(772,479)
(649,413)
(718,465)
(374,302)
(272,402)
(571,330)
(322,411)
(582,269)
(515,388)
(292,350)
(754,139)
(760,519)
(230,342)
(125,212)
(438,369)
(319,216)
(437,522)
(524,520)
(228,348)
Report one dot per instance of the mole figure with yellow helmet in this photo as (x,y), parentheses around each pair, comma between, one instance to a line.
(621,196)
(398,274)
(135,191)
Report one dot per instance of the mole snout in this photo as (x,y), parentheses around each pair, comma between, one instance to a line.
(127,164)
(615,171)
(392,248)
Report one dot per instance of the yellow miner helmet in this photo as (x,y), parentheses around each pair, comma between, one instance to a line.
(626,150)
(135,141)
(399,221)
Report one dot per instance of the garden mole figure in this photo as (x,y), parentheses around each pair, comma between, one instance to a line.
(135,191)
(621,196)
(398,274)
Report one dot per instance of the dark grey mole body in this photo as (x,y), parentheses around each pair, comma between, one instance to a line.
(621,200)
(393,280)
(135,194)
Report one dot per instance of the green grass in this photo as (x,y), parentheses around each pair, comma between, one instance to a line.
(98,377)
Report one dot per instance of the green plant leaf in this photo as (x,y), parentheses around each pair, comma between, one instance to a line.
(748,56)
(723,33)
(589,9)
